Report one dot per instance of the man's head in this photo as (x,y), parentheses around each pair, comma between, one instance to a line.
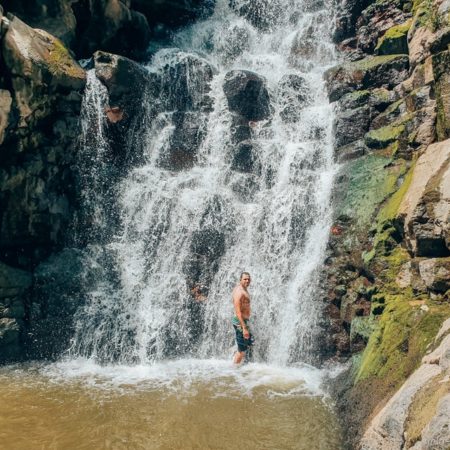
(245,279)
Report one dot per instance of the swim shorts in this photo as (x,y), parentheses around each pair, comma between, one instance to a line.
(242,343)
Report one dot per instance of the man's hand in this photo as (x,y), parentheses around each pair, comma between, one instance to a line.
(246,333)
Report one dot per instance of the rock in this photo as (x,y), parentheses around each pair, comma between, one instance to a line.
(351,125)
(424,209)
(58,287)
(247,94)
(125,80)
(386,430)
(13,282)
(175,13)
(361,329)
(376,19)
(351,151)
(440,63)
(292,96)
(41,58)
(384,136)
(184,81)
(187,136)
(244,158)
(262,14)
(436,434)
(240,129)
(5,110)
(10,343)
(111,26)
(394,41)
(378,71)
(348,12)
(435,273)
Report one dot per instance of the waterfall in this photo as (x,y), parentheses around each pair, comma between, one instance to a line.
(192,213)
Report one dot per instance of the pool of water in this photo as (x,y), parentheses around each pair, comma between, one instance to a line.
(188,404)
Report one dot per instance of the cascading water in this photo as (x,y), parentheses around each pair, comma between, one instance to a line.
(191,219)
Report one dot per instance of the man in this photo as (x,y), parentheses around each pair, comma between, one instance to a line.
(241,303)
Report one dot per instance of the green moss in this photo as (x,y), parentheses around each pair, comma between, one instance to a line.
(426,14)
(394,40)
(61,61)
(371,62)
(384,136)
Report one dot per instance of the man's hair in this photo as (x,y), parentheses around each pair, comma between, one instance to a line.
(244,273)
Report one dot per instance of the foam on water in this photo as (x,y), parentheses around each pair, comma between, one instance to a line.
(183,376)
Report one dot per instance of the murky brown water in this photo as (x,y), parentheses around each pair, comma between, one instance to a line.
(256,409)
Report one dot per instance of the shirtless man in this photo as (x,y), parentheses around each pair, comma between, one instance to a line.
(241,302)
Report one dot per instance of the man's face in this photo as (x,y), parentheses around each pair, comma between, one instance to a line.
(245,280)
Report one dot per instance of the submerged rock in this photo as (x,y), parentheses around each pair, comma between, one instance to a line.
(262,14)
(247,94)
(293,95)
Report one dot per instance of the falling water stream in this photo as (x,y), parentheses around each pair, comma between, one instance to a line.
(149,365)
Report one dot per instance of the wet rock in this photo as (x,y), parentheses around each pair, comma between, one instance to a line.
(262,14)
(351,151)
(240,129)
(348,12)
(293,97)
(125,80)
(185,82)
(58,292)
(187,136)
(10,343)
(247,94)
(245,158)
(374,72)
(351,125)
(13,282)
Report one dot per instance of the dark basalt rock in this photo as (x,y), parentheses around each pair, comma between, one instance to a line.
(185,82)
(245,158)
(247,94)
(262,14)
(351,125)
(293,97)
(240,129)
(190,129)
(57,293)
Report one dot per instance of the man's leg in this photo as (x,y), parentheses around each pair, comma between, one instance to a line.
(238,357)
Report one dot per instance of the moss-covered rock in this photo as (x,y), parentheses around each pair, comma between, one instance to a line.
(371,72)
(382,137)
(394,41)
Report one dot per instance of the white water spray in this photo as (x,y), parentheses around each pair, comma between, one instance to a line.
(208,222)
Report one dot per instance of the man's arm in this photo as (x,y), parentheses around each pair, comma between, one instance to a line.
(237,302)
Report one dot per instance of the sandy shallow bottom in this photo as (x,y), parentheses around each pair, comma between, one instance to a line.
(188,404)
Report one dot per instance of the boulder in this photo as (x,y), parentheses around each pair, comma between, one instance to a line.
(376,19)
(245,158)
(424,209)
(435,273)
(347,14)
(351,125)
(239,129)
(187,136)
(351,151)
(247,94)
(394,41)
(264,15)
(293,96)
(184,81)
(59,290)
(373,72)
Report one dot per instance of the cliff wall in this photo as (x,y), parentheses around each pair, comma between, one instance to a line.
(388,276)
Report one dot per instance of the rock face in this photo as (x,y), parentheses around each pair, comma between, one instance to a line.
(425,209)
(390,426)
(40,101)
(387,277)
(247,95)
(123,27)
